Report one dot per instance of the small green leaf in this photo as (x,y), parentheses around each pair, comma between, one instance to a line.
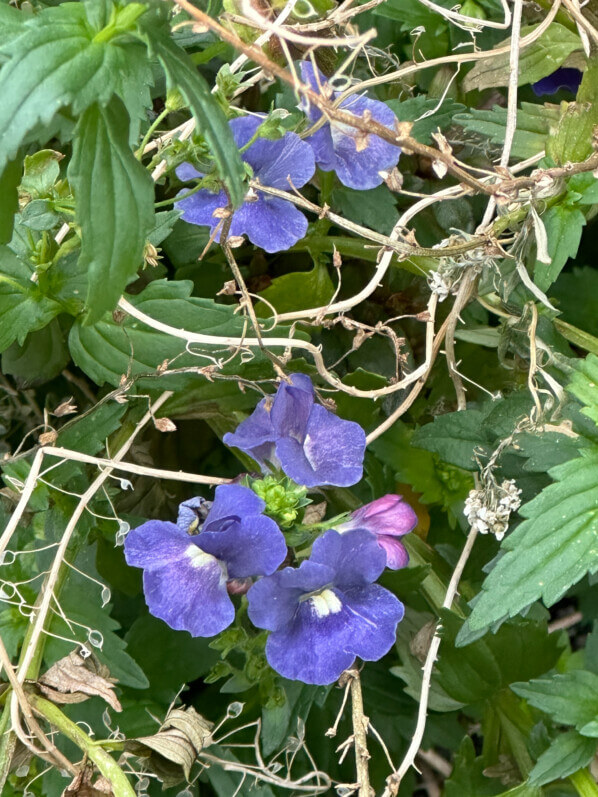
(23,307)
(114,195)
(455,437)
(571,141)
(568,753)
(570,698)
(378,213)
(537,60)
(41,172)
(584,385)
(182,74)
(564,225)
(39,215)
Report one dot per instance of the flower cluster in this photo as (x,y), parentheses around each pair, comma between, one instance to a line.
(488,510)
(320,615)
(275,224)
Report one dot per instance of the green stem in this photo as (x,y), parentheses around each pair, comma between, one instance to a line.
(584,783)
(174,199)
(103,761)
(150,132)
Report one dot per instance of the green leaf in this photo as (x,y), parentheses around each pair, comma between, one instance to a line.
(378,213)
(571,141)
(584,385)
(518,651)
(23,307)
(454,437)
(9,196)
(467,778)
(54,63)
(39,215)
(553,549)
(109,348)
(114,196)
(182,74)
(564,225)
(568,753)
(537,60)
(533,126)
(42,357)
(570,698)
(41,170)
(426,115)
(298,290)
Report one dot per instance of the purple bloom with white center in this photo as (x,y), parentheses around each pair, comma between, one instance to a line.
(269,222)
(388,517)
(312,445)
(328,611)
(185,577)
(356,159)
(563,78)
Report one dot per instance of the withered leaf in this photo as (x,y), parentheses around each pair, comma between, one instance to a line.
(73,679)
(173,750)
(82,785)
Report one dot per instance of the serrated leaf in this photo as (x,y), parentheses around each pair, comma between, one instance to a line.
(570,698)
(114,196)
(533,126)
(553,549)
(455,437)
(109,348)
(182,74)
(53,63)
(23,307)
(584,385)
(568,753)
(537,60)
(571,141)
(564,225)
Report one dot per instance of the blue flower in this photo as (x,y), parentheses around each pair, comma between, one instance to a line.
(328,611)
(312,445)
(388,518)
(563,78)
(357,159)
(269,222)
(185,577)
(191,514)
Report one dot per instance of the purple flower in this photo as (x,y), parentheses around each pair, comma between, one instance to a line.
(191,514)
(271,223)
(185,577)
(356,159)
(311,444)
(388,517)
(563,78)
(328,611)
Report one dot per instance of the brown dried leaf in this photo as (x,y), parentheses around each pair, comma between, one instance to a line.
(66,407)
(79,678)
(164,425)
(314,513)
(81,785)
(46,438)
(182,736)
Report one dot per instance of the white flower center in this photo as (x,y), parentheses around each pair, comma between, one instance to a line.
(200,558)
(325,603)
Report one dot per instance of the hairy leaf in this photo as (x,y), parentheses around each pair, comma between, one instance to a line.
(114,195)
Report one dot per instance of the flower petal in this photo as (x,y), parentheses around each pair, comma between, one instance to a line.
(155,543)
(375,614)
(316,80)
(253,546)
(232,502)
(355,557)
(273,162)
(323,148)
(190,595)
(188,518)
(332,452)
(396,554)
(271,223)
(312,648)
(292,406)
(199,207)
(186,172)
(255,435)
(387,515)
(563,78)
(243,128)
(274,600)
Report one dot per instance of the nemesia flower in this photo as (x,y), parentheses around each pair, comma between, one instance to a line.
(269,222)
(185,577)
(328,611)
(312,445)
(563,78)
(388,517)
(357,159)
